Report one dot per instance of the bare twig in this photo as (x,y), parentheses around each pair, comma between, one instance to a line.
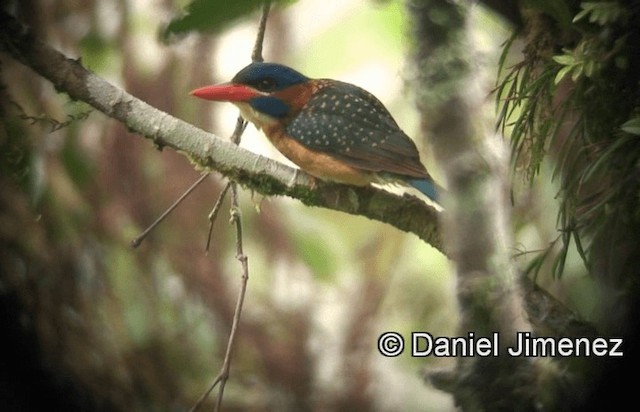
(256,55)
(54,124)
(236,219)
(241,125)
(138,240)
(214,213)
(223,375)
(205,395)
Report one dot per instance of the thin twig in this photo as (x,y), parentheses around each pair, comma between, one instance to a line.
(138,240)
(241,125)
(236,219)
(223,376)
(256,54)
(205,395)
(214,213)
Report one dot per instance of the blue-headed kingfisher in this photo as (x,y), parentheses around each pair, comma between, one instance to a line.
(333,130)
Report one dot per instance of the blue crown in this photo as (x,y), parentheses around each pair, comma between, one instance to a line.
(258,74)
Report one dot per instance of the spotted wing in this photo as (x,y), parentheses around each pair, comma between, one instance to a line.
(353,126)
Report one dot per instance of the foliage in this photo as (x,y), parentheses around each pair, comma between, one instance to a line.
(210,16)
(573,95)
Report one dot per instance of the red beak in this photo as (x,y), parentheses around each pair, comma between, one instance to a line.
(226,92)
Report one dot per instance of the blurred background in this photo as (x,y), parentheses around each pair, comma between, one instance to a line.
(96,325)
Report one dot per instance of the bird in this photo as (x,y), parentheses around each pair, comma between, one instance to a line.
(333,130)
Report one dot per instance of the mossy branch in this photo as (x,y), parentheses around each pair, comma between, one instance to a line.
(208,151)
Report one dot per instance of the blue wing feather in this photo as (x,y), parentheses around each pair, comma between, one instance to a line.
(353,126)
(426,187)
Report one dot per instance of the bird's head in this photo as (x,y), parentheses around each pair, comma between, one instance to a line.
(256,89)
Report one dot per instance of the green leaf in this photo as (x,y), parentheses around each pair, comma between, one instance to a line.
(211,16)
(582,14)
(562,73)
(565,59)
(632,126)
(590,68)
(577,72)
(602,12)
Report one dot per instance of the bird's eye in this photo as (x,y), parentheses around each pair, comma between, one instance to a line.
(266,85)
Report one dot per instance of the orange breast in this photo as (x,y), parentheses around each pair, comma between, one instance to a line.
(317,164)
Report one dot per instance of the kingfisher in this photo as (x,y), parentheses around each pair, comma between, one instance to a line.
(332,130)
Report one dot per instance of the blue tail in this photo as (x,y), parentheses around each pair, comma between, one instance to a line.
(427,187)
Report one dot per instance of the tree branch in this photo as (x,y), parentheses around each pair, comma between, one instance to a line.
(208,151)
(477,223)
